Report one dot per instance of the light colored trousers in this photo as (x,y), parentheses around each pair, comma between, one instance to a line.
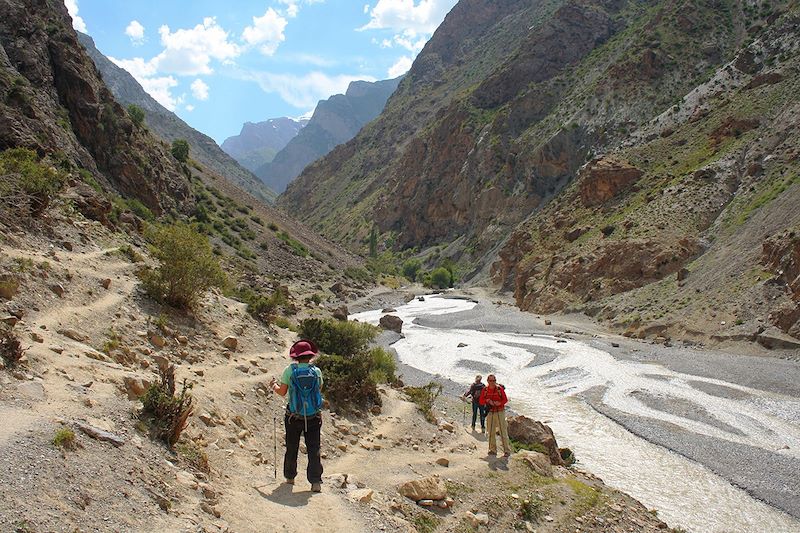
(495,421)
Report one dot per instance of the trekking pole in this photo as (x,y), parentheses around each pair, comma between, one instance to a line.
(275,446)
(464,414)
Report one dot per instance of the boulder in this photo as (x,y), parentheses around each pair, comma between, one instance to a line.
(361,495)
(427,488)
(443,461)
(341,313)
(388,310)
(526,431)
(106,283)
(72,334)
(392,323)
(539,462)
(10,320)
(58,289)
(230,342)
(135,387)
(157,340)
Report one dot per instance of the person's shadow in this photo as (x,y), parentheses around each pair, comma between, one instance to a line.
(285,495)
(496,463)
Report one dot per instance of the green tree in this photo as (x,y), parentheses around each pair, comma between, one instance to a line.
(187,266)
(411,268)
(440,278)
(180,150)
(137,115)
(373,242)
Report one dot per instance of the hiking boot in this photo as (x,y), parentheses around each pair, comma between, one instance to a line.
(492,453)
(316,487)
(473,428)
(506,454)
(483,430)
(289,481)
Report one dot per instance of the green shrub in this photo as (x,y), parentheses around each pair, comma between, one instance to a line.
(384,367)
(359,274)
(165,413)
(180,150)
(294,244)
(411,268)
(64,439)
(27,185)
(534,447)
(425,397)
(137,115)
(440,278)
(187,266)
(347,381)
(337,337)
(192,453)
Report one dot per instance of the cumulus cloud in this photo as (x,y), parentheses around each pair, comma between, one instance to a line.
(266,32)
(402,16)
(77,22)
(189,52)
(400,67)
(189,107)
(306,90)
(135,31)
(159,87)
(199,89)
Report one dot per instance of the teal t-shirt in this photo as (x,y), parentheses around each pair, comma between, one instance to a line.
(286,377)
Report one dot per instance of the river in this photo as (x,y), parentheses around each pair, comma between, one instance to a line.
(553,380)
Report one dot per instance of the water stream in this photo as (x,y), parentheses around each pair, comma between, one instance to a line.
(545,380)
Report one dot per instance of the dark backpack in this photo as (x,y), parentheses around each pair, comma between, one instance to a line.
(306,398)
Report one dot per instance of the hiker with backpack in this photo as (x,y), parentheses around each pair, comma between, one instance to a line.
(493,396)
(302,381)
(475,392)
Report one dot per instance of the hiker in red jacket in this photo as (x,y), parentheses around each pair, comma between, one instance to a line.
(494,398)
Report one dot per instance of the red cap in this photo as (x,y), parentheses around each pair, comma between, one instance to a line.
(302,348)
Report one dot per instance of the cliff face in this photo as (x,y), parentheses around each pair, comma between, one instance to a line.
(598,149)
(335,121)
(258,142)
(53,100)
(168,126)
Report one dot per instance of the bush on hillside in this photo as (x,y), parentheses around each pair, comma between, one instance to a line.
(351,368)
(137,115)
(411,268)
(337,337)
(187,266)
(180,150)
(440,278)
(27,185)
(166,413)
(11,350)
(425,398)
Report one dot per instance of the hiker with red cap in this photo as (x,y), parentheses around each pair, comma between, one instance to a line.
(302,381)
(493,397)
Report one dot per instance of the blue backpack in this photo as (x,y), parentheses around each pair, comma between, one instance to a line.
(306,398)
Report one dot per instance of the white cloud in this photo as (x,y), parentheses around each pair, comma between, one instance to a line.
(189,108)
(293,6)
(400,67)
(421,17)
(266,32)
(199,89)
(159,87)
(306,90)
(366,9)
(189,52)
(77,22)
(135,31)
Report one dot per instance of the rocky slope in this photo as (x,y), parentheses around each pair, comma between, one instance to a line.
(257,143)
(683,112)
(168,126)
(335,121)
(53,100)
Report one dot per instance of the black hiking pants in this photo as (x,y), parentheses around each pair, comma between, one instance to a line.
(295,427)
(478,408)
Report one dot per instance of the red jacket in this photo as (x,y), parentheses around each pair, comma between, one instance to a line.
(497,395)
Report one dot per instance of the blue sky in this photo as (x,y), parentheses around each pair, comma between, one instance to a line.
(220,64)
